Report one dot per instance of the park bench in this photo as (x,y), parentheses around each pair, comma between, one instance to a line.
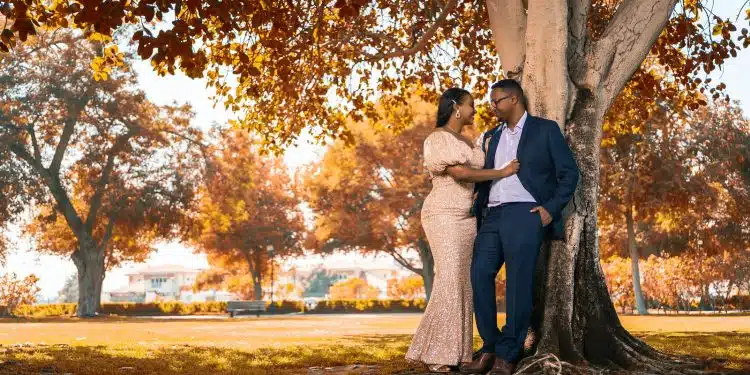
(257,307)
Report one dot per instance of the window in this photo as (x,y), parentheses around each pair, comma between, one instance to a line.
(157,283)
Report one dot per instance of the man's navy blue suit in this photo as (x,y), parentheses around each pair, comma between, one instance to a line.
(511,234)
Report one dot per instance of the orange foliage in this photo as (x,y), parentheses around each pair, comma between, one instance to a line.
(619,275)
(15,292)
(333,53)
(248,205)
(367,196)
(108,171)
(354,288)
(411,287)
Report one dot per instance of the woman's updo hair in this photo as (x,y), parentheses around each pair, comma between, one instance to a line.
(451,97)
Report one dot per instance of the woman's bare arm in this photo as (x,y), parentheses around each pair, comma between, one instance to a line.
(467,174)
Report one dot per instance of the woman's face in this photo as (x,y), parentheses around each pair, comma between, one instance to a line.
(467,110)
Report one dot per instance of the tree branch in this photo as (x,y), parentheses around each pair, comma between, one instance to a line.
(402,261)
(20,150)
(508,24)
(108,233)
(56,188)
(74,110)
(422,42)
(626,42)
(34,143)
(101,186)
(545,72)
(70,123)
(578,11)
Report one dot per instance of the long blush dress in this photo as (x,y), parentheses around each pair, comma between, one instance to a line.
(445,334)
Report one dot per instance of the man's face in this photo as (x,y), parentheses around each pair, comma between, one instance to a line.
(502,103)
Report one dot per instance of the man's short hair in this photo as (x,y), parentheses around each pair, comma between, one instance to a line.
(511,86)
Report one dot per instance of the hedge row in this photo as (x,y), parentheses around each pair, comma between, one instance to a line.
(280,307)
(180,308)
(368,306)
(733,303)
(157,308)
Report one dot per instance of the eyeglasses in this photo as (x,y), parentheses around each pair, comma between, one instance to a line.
(496,102)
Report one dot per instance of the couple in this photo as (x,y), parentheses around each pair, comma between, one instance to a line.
(525,174)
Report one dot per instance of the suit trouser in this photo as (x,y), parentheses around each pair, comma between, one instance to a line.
(512,235)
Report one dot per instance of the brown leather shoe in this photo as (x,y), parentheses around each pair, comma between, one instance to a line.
(480,365)
(501,367)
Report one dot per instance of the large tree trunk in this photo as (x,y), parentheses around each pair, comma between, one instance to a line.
(257,288)
(640,303)
(428,273)
(257,284)
(255,267)
(575,318)
(572,79)
(89,260)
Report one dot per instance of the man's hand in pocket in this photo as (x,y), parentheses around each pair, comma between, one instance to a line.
(546,217)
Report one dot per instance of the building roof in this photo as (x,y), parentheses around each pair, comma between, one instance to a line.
(164,269)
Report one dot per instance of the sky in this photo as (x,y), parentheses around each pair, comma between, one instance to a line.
(53,270)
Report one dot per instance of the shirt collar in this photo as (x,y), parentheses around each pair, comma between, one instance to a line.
(521,121)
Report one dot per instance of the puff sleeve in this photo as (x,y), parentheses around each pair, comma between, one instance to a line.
(442,150)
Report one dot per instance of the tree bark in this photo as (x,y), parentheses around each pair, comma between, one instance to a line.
(89,261)
(573,80)
(640,303)
(428,272)
(257,287)
(255,265)
(577,321)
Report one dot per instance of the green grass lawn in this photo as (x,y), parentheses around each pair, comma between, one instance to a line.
(287,345)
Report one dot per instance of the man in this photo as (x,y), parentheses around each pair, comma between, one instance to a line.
(514,214)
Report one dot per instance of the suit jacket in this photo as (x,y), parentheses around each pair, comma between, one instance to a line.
(548,170)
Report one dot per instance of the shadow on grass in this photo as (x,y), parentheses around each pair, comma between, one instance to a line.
(213,318)
(384,351)
(729,351)
(387,352)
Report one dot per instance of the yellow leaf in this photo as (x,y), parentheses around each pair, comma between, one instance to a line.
(99,37)
(716,30)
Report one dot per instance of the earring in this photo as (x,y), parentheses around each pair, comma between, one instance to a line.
(458,114)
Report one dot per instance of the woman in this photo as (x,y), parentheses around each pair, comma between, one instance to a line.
(444,337)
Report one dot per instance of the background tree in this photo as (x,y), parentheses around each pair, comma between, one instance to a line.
(15,292)
(354,288)
(717,221)
(319,283)
(108,167)
(367,194)
(738,272)
(643,173)
(574,57)
(668,280)
(249,204)
(619,274)
(239,283)
(288,291)
(662,184)
(69,291)
(411,287)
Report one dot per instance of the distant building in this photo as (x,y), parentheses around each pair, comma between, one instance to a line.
(164,283)
(375,276)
